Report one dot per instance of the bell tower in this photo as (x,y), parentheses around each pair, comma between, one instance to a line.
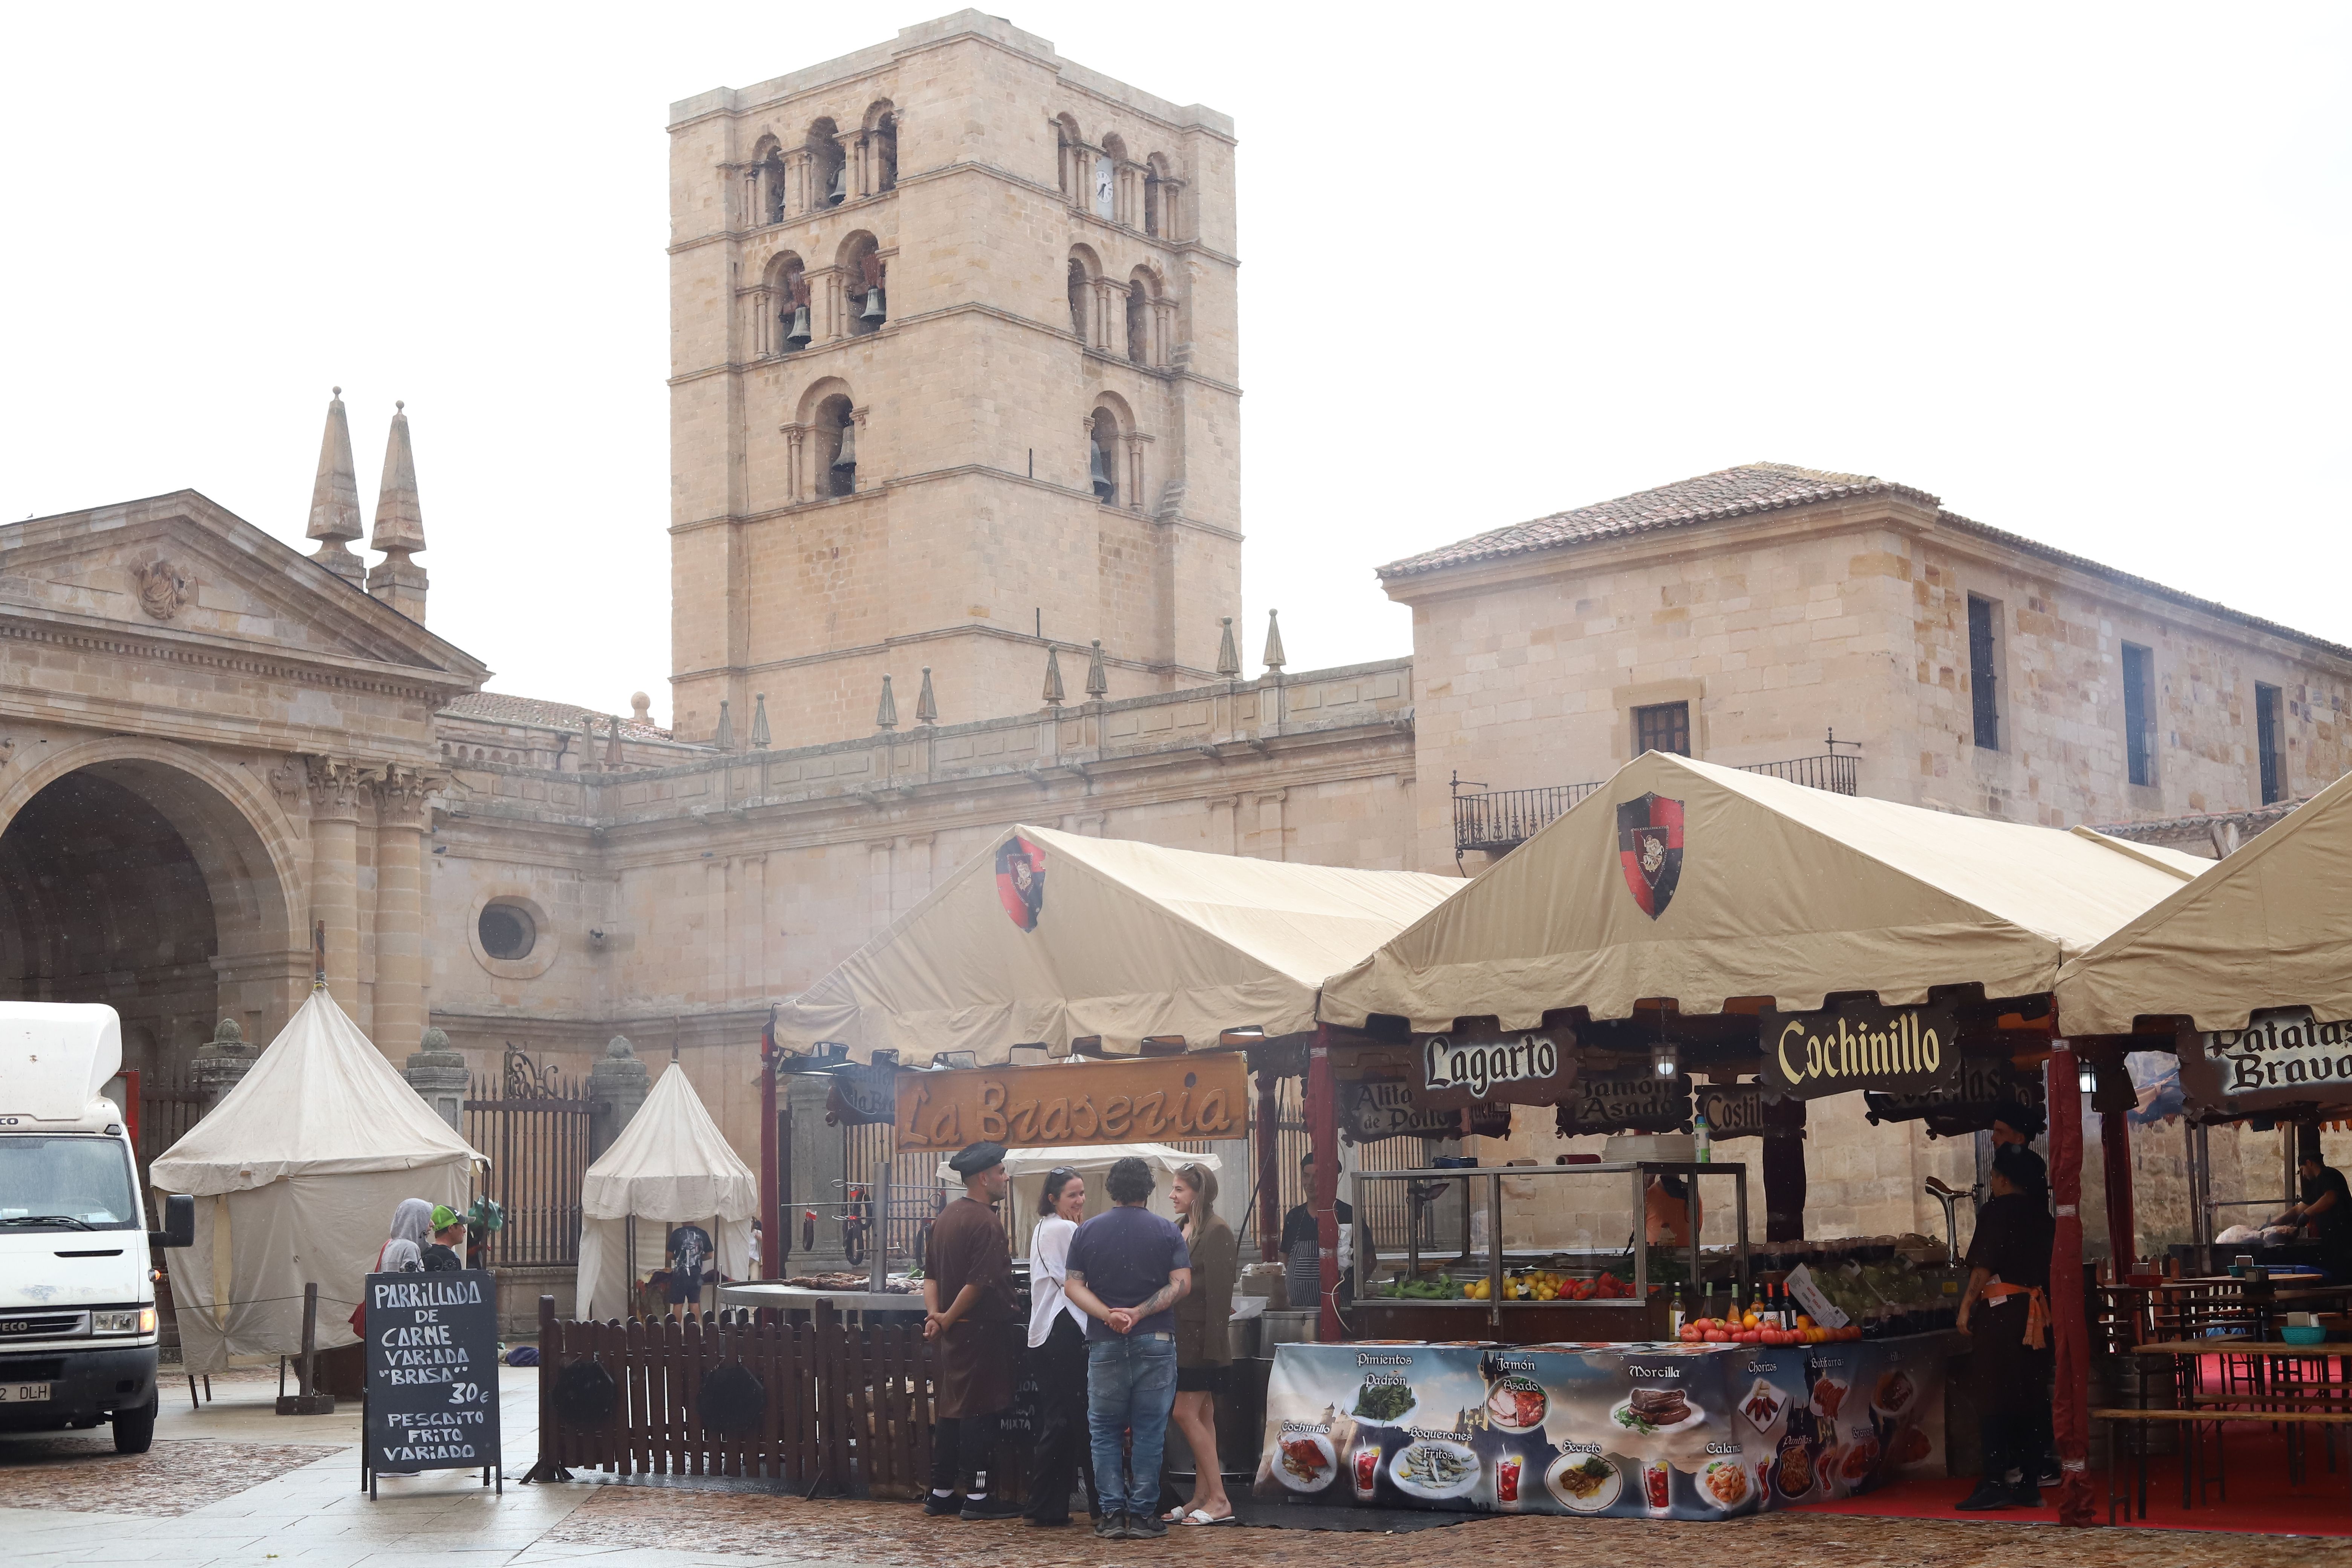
(954,382)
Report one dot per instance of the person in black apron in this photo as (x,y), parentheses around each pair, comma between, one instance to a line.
(2006,1315)
(2327,1207)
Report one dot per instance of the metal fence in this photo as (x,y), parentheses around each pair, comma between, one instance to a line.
(1496,822)
(534,1127)
(169,1104)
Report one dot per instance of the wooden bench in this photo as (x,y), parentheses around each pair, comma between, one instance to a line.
(2192,1462)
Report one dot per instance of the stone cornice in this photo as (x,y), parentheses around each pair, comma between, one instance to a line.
(92,634)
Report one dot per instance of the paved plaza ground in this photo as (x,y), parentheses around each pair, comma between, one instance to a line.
(234,1483)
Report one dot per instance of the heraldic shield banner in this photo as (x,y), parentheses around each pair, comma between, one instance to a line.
(1650,846)
(1020,880)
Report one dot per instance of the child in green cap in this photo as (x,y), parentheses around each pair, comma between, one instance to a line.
(448,1241)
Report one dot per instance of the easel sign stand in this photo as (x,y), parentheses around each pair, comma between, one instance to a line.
(432,1401)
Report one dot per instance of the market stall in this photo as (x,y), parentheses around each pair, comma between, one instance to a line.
(670,1166)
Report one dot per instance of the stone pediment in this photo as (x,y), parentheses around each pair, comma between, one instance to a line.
(181,569)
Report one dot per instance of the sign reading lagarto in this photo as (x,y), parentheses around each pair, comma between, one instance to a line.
(1859,1046)
(1449,1061)
(1090,1102)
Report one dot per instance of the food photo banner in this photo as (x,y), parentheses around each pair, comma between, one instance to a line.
(1150,1101)
(1682,1431)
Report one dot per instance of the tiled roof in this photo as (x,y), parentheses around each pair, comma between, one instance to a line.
(1728,492)
(498,707)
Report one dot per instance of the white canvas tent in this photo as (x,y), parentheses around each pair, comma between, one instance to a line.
(1782,891)
(671,1165)
(2271,926)
(296,1174)
(1027,1167)
(1124,941)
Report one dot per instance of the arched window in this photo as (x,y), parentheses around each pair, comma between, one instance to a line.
(788,304)
(1139,319)
(863,302)
(1103,457)
(1067,172)
(1159,198)
(1109,172)
(882,147)
(837,448)
(1083,271)
(828,166)
(768,161)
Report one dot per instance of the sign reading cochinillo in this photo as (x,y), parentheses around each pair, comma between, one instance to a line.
(1860,1045)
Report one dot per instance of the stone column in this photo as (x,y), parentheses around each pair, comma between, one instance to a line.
(619,1084)
(401,812)
(221,1064)
(337,790)
(820,1163)
(436,1071)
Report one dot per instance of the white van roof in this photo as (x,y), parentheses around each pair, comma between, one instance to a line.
(55,1058)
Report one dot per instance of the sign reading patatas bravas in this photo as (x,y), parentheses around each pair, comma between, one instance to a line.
(1096,1103)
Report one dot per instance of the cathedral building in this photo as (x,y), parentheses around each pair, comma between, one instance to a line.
(956,535)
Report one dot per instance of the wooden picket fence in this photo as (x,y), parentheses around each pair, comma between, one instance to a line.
(847,1409)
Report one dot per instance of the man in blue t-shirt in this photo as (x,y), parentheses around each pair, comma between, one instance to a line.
(1128,1269)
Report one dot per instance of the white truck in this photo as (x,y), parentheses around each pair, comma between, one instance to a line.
(77,1271)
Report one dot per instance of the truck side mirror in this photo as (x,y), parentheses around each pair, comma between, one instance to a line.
(179,1223)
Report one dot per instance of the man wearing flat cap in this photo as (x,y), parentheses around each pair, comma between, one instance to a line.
(968,1307)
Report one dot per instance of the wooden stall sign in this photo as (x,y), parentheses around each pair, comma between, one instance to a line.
(2283,1057)
(1376,1107)
(1054,1107)
(858,1095)
(1648,1104)
(1447,1072)
(1858,1046)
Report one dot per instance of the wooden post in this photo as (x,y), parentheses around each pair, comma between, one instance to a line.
(2069,1329)
(771,1208)
(1269,1166)
(309,1401)
(1323,1129)
(2114,1158)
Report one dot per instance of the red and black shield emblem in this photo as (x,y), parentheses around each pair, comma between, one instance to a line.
(1650,846)
(1020,880)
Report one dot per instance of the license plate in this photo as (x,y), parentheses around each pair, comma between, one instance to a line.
(24,1394)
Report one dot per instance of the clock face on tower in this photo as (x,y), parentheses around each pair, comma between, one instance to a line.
(1102,187)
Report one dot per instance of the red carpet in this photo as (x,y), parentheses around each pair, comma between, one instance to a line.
(2261,1500)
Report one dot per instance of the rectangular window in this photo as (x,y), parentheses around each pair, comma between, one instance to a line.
(2270,742)
(1665,728)
(2139,714)
(1984,685)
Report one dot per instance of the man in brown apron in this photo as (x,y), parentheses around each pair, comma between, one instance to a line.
(968,1308)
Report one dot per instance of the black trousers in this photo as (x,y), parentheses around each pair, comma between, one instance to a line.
(1063,1453)
(2010,1382)
(965,1445)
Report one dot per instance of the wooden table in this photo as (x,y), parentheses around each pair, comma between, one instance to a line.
(2185,1392)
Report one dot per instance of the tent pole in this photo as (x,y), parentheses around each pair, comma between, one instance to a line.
(2069,1327)
(771,1210)
(1269,1166)
(2115,1157)
(1323,1128)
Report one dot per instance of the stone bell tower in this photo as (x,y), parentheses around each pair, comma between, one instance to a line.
(954,382)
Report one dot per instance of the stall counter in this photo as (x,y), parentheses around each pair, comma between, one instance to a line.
(1656,1430)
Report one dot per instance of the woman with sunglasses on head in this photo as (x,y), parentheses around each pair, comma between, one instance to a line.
(1203,1341)
(1058,1354)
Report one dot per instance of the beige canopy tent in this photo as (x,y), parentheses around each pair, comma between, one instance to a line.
(1761,887)
(2271,926)
(296,1174)
(670,1166)
(1048,938)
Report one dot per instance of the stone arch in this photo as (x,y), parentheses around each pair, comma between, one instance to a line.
(154,878)
(828,164)
(1143,289)
(882,146)
(768,180)
(1085,267)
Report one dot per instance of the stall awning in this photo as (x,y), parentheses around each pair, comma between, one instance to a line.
(671,1163)
(1048,938)
(1701,883)
(2269,927)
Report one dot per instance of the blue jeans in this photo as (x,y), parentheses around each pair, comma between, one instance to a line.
(1130,1387)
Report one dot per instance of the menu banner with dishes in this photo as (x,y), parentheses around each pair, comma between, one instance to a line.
(1860,1045)
(1658,1431)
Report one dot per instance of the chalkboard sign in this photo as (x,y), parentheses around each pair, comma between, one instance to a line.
(432,1373)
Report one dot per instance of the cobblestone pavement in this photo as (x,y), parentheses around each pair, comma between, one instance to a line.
(235,1484)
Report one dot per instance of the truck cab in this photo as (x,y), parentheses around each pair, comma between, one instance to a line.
(78,1327)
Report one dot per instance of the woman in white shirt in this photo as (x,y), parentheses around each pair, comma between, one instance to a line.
(1058,1354)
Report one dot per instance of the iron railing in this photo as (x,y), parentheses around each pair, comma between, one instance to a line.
(1496,822)
(534,1127)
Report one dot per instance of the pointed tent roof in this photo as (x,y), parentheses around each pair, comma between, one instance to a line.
(671,1163)
(1129,942)
(399,519)
(1783,891)
(2269,927)
(321,1100)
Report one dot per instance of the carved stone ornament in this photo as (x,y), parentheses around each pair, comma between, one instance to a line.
(162,588)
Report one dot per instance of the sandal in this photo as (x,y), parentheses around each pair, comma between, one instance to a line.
(1201,1516)
(1173,1516)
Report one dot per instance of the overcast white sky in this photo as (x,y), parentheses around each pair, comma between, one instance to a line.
(2081,271)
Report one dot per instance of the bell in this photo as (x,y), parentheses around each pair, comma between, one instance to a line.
(874,310)
(1095,473)
(847,456)
(838,192)
(798,337)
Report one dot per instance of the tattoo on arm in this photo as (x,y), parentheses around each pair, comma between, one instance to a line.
(1161,1300)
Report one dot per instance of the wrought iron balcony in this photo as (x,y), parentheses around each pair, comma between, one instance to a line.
(1496,822)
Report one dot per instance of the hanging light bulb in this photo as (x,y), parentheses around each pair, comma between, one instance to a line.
(1665,1061)
(2086,1075)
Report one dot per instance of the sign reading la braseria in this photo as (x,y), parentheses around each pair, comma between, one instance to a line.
(1152,1100)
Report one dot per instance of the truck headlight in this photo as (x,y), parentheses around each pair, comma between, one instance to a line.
(139,1322)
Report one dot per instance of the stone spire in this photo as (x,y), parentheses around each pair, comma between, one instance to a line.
(1274,659)
(760,736)
(335,499)
(396,580)
(927,707)
(885,712)
(725,739)
(1053,694)
(1229,658)
(613,744)
(1097,679)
